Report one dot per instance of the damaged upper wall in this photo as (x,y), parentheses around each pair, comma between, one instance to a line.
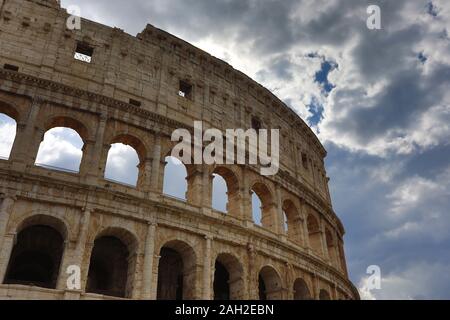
(147,70)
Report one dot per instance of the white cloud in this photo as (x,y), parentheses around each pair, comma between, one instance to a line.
(7,134)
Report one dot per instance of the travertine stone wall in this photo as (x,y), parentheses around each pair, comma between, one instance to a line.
(52,89)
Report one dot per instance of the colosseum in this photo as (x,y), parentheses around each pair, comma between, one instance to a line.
(134,241)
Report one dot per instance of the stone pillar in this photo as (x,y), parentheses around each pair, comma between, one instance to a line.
(195,187)
(207,188)
(246,200)
(304,214)
(102,162)
(91,165)
(154,286)
(280,214)
(145,171)
(155,184)
(323,240)
(24,149)
(5,254)
(73,254)
(207,269)
(252,274)
(6,240)
(149,254)
(5,212)
(289,287)
(156,165)
(316,287)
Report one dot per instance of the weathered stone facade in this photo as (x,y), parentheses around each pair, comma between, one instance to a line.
(42,86)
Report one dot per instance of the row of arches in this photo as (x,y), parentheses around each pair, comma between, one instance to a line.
(63,147)
(36,260)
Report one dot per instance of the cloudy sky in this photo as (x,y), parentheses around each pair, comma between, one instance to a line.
(379,100)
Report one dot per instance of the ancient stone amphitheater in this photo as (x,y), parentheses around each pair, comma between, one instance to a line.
(134,242)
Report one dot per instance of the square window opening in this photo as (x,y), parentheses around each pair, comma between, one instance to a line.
(10,67)
(185,90)
(84,52)
(256,124)
(135,103)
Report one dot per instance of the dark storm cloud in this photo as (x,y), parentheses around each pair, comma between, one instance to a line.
(407,97)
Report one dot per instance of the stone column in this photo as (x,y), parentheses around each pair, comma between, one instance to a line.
(195,187)
(147,281)
(207,269)
(6,240)
(91,166)
(145,171)
(316,287)
(24,151)
(207,188)
(280,213)
(102,162)
(304,214)
(156,166)
(323,240)
(252,280)
(154,286)
(73,254)
(5,212)
(5,254)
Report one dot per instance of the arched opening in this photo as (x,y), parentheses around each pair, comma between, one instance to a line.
(36,257)
(314,234)
(293,223)
(221,282)
(270,287)
(301,291)
(219,193)
(175,179)
(225,191)
(263,209)
(112,264)
(228,278)
(324,295)
(125,161)
(176,272)
(8,129)
(61,149)
(122,164)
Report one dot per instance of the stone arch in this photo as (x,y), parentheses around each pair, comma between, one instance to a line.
(314,233)
(70,125)
(37,253)
(46,219)
(301,290)
(68,122)
(133,141)
(10,110)
(324,295)
(294,221)
(268,210)
(113,263)
(137,146)
(228,278)
(269,284)
(233,189)
(176,271)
